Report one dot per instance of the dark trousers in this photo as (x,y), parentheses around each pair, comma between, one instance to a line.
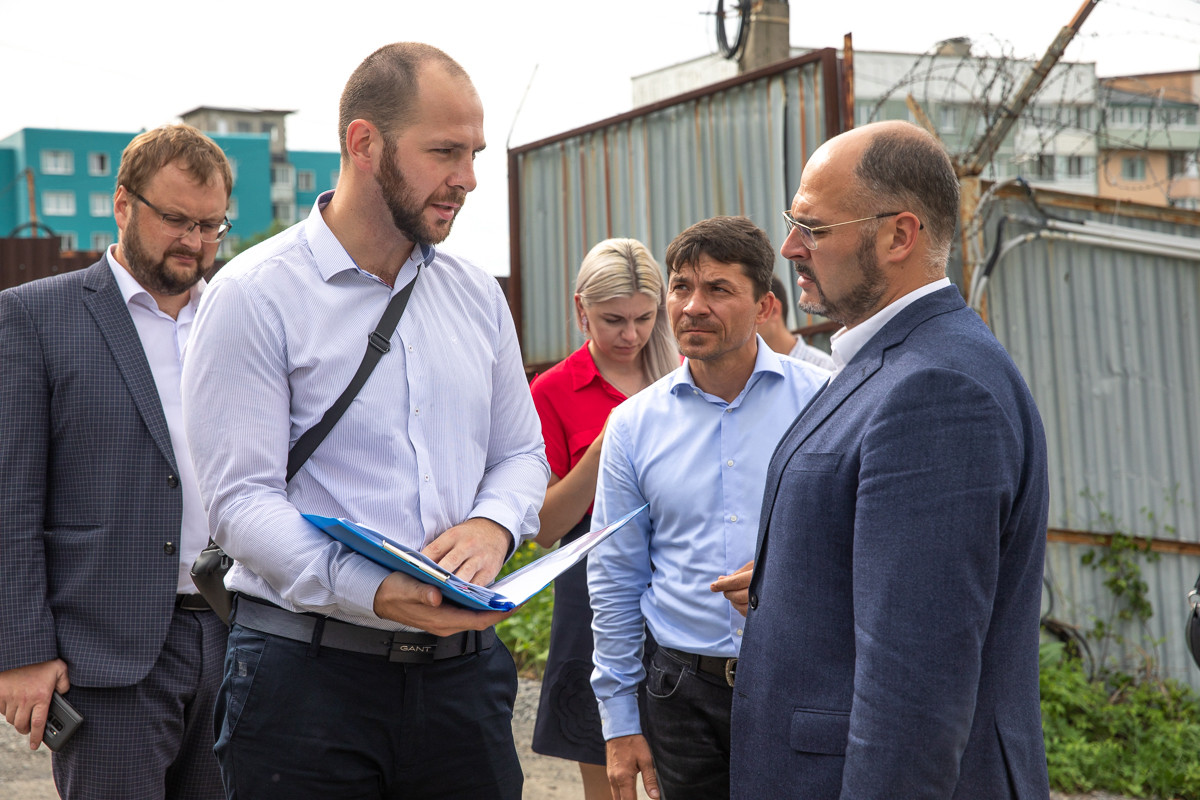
(300,722)
(687,725)
(153,739)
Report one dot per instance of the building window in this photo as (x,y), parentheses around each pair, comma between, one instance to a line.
(242,126)
(232,211)
(306,180)
(101,241)
(333,177)
(58,204)
(1044,167)
(284,212)
(1075,166)
(58,162)
(948,118)
(100,204)
(229,247)
(283,175)
(99,164)
(68,241)
(233,169)
(271,130)
(1133,168)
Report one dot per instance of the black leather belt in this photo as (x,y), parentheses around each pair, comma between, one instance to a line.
(402,646)
(723,668)
(191,602)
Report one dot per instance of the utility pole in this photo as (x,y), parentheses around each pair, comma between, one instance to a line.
(767,40)
(970,165)
(32,202)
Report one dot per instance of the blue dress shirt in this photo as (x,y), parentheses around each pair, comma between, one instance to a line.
(444,429)
(701,464)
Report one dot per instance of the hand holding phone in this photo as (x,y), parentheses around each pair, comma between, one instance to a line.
(61,723)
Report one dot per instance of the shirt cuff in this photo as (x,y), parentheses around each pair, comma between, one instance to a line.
(619,716)
(357,584)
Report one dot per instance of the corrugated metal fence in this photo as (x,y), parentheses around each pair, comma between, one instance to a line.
(1103,322)
(733,148)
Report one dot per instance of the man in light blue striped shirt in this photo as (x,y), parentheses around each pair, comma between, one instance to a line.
(695,446)
(343,678)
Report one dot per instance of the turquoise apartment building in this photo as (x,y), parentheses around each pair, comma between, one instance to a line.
(70,176)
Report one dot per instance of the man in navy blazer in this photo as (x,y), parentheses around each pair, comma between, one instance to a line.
(101,511)
(891,644)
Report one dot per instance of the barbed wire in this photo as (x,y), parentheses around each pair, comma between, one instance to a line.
(1075,116)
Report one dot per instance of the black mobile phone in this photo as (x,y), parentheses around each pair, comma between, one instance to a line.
(62,723)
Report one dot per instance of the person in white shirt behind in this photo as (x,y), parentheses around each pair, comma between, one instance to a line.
(776,332)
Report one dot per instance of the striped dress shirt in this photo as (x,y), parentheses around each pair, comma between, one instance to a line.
(444,429)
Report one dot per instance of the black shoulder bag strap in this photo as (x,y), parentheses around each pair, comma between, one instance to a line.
(208,573)
(378,343)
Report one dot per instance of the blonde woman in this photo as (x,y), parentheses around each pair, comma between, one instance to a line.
(620,299)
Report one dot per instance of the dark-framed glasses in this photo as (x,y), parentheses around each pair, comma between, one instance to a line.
(808,235)
(179,227)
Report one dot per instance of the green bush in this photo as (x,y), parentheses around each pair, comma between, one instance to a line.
(527,632)
(1139,738)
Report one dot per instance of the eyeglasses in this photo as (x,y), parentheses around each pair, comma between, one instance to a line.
(807,236)
(179,227)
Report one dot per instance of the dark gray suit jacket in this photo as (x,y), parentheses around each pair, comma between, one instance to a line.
(90,501)
(891,649)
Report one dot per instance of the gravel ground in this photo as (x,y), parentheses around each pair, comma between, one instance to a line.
(25,775)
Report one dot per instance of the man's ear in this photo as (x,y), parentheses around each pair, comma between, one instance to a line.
(122,207)
(904,229)
(363,144)
(766,308)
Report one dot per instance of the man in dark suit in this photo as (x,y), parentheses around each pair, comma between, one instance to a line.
(892,634)
(102,513)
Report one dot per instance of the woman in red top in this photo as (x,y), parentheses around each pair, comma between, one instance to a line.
(620,299)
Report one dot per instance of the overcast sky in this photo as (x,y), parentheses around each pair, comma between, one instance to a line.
(135,64)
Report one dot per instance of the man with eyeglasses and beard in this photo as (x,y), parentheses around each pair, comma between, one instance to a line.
(102,513)
(891,645)
(344,679)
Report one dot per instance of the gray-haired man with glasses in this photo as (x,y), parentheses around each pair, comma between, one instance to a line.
(103,516)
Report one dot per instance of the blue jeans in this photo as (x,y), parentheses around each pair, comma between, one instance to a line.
(293,723)
(687,725)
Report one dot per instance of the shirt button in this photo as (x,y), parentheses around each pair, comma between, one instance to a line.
(733,518)
(729,411)
(427,479)
(410,348)
(739,631)
(169,548)
(173,481)
(729,463)
(416,411)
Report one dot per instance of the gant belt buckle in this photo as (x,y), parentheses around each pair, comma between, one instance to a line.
(411,652)
(730,670)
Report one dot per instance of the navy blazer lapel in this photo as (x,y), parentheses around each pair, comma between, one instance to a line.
(866,362)
(102,297)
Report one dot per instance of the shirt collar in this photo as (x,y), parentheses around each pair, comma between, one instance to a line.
(133,292)
(581,368)
(765,363)
(330,256)
(846,343)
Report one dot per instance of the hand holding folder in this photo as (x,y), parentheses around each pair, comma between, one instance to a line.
(503,595)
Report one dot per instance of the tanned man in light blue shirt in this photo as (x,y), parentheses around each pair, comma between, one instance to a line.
(695,446)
